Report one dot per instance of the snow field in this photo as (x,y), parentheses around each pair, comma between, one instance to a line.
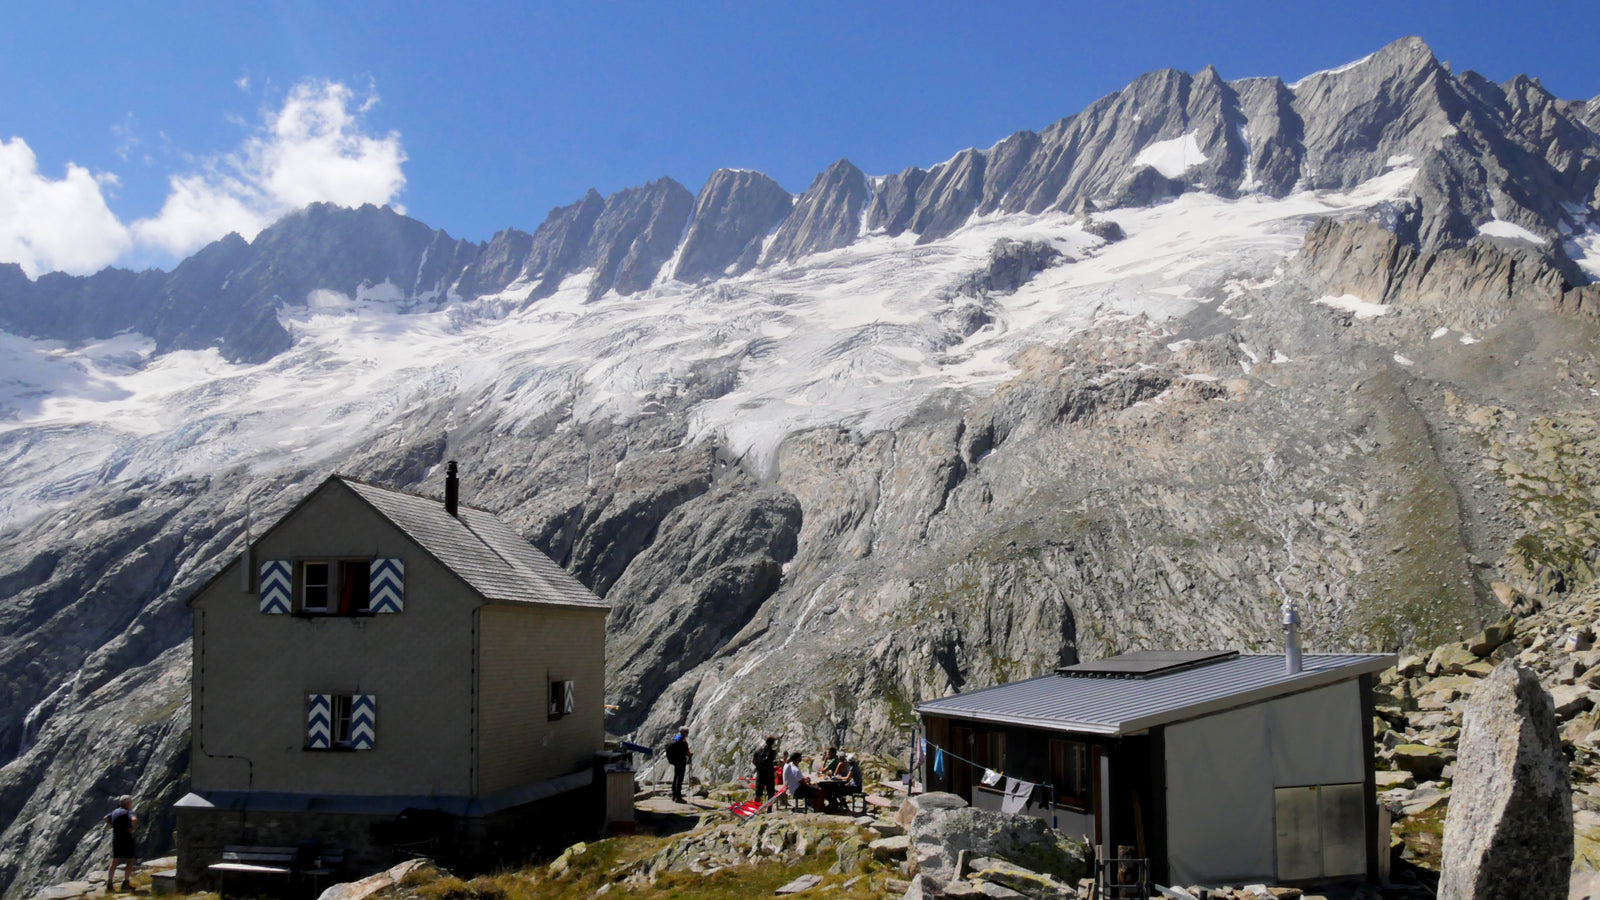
(856,337)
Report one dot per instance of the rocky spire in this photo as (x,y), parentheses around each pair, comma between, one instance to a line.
(826,217)
(735,211)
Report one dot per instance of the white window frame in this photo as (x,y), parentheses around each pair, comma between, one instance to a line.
(333,583)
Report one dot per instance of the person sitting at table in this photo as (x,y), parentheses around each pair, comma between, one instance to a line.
(852,773)
(830,760)
(797,785)
(841,769)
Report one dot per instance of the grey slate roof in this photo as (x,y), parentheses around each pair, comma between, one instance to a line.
(1116,706)
(484,551)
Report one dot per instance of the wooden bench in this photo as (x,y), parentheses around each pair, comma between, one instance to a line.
(275,862)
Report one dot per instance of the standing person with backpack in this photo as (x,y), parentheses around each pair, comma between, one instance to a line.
(766,762)
(678,754)
(121,819)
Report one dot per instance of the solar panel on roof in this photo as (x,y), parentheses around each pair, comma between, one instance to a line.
(1146,663)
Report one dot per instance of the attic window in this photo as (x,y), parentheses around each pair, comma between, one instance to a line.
(336,587)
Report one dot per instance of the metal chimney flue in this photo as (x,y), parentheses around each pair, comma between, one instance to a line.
(1291,637)
(452,488)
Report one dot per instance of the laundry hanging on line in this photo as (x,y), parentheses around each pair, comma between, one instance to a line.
(1017,794)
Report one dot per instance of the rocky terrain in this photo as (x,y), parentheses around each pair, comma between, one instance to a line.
(1344,352)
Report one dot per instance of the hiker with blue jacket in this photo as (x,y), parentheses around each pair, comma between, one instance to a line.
(678,754)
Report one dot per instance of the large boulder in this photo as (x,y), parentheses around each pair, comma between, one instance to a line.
(931,800)
(938,835)
(1509,829)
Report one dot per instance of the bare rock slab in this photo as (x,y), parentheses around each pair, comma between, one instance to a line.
(1508,832)
(803,883)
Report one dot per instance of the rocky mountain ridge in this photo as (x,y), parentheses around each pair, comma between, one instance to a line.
(1510,153)
(1143,443)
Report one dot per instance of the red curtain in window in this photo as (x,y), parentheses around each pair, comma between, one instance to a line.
(347,590)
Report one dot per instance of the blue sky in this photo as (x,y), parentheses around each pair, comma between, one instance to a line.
(135,132)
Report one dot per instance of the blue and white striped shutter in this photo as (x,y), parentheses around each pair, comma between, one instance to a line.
(387,586)
(363,721)
(277,585)
(568,697)
(319,721)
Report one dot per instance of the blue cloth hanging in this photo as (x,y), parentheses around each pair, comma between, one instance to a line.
(938,763)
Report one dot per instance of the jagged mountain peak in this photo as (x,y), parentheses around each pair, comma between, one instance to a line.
(733,214)
(826,217)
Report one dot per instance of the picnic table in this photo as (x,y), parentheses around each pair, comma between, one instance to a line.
(289,863)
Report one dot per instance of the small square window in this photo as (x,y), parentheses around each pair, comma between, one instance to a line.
(562,699)
(341,721)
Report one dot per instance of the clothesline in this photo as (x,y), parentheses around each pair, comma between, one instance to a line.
(971,762)
(1018,793)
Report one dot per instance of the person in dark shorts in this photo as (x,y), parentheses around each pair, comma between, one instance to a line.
(766,762)
(122,821)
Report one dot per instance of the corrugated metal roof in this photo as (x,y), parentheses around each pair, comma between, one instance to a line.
(484,551)
(1121,706)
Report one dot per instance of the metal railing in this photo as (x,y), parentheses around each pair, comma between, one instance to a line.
(1116,879)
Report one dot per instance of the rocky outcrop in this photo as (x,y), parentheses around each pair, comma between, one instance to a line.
(1012,264)
(735,211)
(1509,830)
(716,844)
(941,837)
(1473,287)
(826,217)
(372,884)
(714,561)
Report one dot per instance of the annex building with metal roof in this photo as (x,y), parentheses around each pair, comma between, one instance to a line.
(1215,766)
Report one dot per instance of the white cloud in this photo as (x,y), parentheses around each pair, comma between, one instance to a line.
(55,225)
(312,149)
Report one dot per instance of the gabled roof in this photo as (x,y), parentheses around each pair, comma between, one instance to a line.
(486,553)
(1118,706)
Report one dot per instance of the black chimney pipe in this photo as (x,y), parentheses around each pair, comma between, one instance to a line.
(452,488)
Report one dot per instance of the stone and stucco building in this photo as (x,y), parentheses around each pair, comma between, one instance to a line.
(380,669)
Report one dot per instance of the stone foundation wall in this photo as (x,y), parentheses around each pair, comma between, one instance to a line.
(463,844)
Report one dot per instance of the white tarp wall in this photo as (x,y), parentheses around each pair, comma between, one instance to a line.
(1222,771)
